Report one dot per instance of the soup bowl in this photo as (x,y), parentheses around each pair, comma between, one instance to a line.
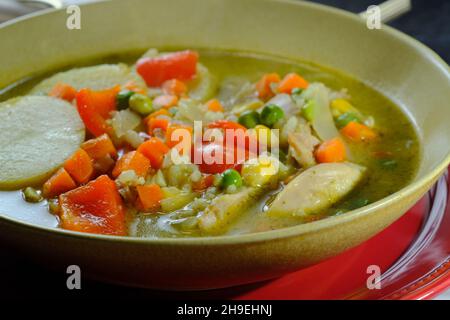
(401,68)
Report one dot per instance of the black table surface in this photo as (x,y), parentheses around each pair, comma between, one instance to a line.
(429,22)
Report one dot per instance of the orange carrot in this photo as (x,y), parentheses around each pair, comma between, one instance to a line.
(63,91)
(132,161)
(358,132)
(154,149)
(171,140)
(174,87)
(160,112)
(204,183)
(263,87)
(59,183)
(292,81)
(165,101)
(331,151)
(149,197)
(214,105)
(79,166)
(159,123)
(99,147)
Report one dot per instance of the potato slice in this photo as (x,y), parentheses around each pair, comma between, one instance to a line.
(38,135)
(96,78)
(316,189)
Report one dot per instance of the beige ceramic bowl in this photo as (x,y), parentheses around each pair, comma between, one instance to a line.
(400,67)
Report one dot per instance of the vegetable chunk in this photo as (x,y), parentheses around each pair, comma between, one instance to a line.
(99,77)
(38,135)
(94,208)
(316,189)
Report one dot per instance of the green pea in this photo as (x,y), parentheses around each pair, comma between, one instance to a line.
(32,195)
(231,177)
(308,110)
(123,99)
(346,118)
(271,114)
(141,104)
(249,119)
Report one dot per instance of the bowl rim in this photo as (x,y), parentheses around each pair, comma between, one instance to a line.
(287,232)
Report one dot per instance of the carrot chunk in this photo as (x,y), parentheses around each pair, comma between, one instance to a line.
(157,123)
(165,101)
(176,133)
(331,151)
(263,87)
(214,105)
(99,147)
(177,65)
(174,87)
(160,112)
(93,208)
(95,107)
(154,149)
(63,91)
(132,161)
(358,132)
(59,183)
(149,197)
(204,183)
(79,166)
(290,82)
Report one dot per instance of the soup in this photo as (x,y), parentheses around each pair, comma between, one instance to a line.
(187,143)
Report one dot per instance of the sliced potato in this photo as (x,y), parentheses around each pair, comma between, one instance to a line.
(97,78)
(38,135)
(316,189)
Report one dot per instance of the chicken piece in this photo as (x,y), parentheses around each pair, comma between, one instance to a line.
(302,143)
(316,189)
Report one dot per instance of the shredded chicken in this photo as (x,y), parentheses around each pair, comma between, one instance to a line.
(302,143)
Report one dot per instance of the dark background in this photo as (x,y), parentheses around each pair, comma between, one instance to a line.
(429,22)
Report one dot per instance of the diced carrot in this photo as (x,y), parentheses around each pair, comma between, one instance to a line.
(132,160)
(95,107)
(331,151)
(177,65)
(94,208)
(149,197)
(290,82)
(172,140)
(214,105)
(160,112)
(226,124)
(204,183)
(174,87)
(79,166)
(133,86)
(358,132)
(157,123)
(263,87)
(154,149)
(99,147)
(59,183)
(165,101)
(63,91)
